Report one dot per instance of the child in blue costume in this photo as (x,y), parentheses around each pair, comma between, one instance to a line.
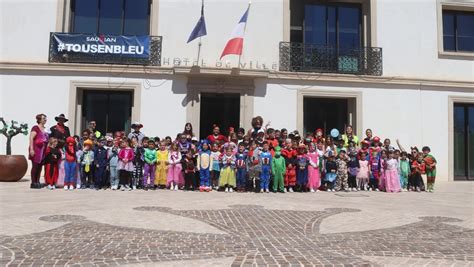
(241,164)
(266,163)
(204,163)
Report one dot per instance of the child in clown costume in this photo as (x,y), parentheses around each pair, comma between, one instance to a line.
(204,163)
(278,170)
(150,165)
(162,163)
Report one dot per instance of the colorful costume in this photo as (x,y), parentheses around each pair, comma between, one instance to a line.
(125,165)
(174,169)
(70,162)
(204,164)
(100,162)
(404,172)
(353,170)
(137,173)
(241,164)
(363,174)
(86,163)
(392,179)
(51,165)
(430,165)
(382,164)
(161,172)
(415,182)
(278,170)
(314,178)
(150,167)
(302,162)
(39,145)
(266,163)
(227,172)
(374,163)
(290,160)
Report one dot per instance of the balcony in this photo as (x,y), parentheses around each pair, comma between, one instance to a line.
(59,56)
(330,59)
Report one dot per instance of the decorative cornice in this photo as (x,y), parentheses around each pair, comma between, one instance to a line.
(282,77)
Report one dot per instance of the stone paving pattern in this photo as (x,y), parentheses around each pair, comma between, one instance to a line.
(322,229)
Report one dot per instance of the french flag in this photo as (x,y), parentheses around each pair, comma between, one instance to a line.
(236,42)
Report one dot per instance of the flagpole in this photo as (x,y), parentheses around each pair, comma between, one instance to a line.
(200,42)
(245,27)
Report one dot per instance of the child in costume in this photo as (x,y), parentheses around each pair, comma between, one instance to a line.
(227,177)
(204,164)
(189,171)
(86,163)
(392,178)
(61,170)
(314,178)
(364,172)
(174,168)
(382,164)
(374,163)
(113,158)
(162,165)
(417,167)
(215,166)
(404,170)
(430,165)
(241,164)
(254,167)
(70,164)
(265,159)
(278,170)
(51,163)
(290,159)
(100,163)
(353,170)
(138,152)
(125,165)
(150,166)
(331,169)
(341,179)
(302,162)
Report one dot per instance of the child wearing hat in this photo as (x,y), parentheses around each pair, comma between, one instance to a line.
(100,163)
(86,162)
(278,170)
(430,165)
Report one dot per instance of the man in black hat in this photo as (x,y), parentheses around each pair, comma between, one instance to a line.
(60,131)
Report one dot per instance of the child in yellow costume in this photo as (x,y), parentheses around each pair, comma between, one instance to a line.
(161,165)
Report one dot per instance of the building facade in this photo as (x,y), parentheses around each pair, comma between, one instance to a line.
(405,69)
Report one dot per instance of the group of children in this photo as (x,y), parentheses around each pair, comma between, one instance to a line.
(262,160)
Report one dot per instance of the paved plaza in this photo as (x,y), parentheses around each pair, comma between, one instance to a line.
(167,228)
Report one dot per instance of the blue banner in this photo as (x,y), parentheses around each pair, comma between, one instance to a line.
(102,45)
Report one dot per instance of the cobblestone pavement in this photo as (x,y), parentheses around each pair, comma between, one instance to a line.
(88,228)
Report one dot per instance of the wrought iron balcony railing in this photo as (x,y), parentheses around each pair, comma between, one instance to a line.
(154,58)
(320,58)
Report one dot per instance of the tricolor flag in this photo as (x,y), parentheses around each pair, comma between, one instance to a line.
(236,42)
(200,28)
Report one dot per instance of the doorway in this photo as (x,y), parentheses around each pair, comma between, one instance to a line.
(327,113)
(463,141)
(222,110)
(112,110)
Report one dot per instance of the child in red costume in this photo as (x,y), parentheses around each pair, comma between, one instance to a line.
(290,158)
(51,160)
(70,164)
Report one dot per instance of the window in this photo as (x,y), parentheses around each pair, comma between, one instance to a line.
(119,17)
(337,24)
(458,31)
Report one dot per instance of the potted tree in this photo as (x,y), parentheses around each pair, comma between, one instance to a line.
(12,167)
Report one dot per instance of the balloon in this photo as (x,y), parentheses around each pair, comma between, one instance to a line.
(334,133)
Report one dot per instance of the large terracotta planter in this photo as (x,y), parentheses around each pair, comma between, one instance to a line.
(12,168)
